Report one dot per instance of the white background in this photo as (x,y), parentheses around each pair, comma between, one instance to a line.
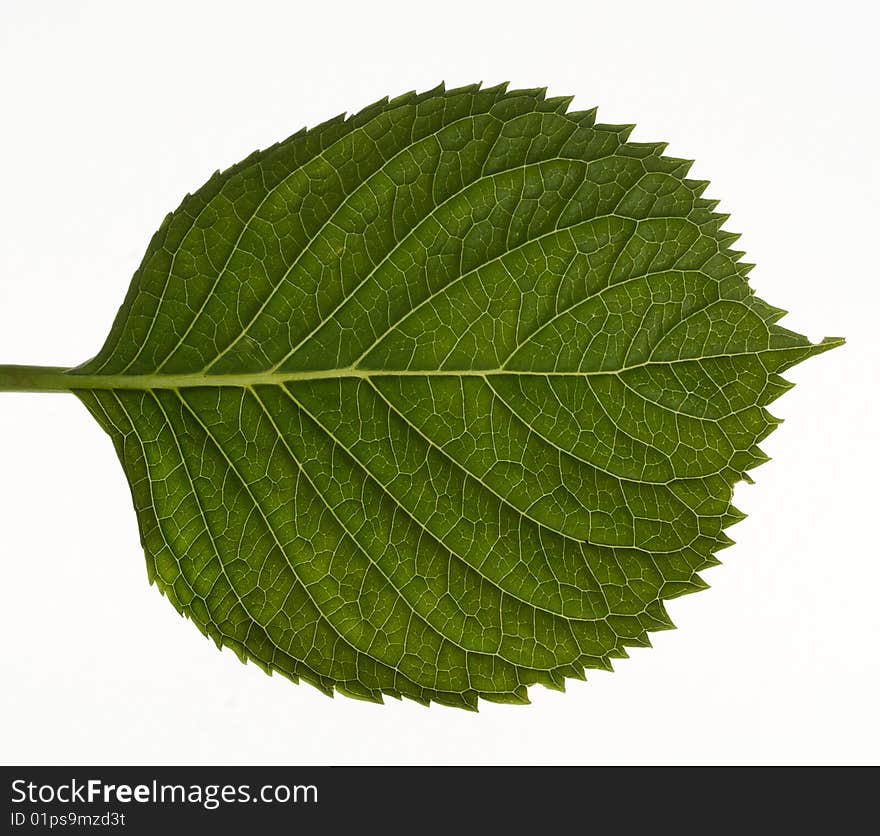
(111,113)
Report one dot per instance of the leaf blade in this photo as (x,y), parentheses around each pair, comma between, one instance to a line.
(441,400)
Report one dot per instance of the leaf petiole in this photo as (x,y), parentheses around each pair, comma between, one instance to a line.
(34,379)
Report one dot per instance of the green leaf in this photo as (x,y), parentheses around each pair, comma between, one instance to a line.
(440,400)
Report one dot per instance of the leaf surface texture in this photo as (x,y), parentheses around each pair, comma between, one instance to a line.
(440,400)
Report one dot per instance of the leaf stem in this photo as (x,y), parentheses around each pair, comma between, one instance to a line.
(34,379)
(55,379)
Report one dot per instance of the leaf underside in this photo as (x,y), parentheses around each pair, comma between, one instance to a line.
(440,400)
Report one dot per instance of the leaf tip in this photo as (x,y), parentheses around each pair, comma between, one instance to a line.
(827,343)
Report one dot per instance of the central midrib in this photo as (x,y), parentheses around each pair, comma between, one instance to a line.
(75,380)
(57,379)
